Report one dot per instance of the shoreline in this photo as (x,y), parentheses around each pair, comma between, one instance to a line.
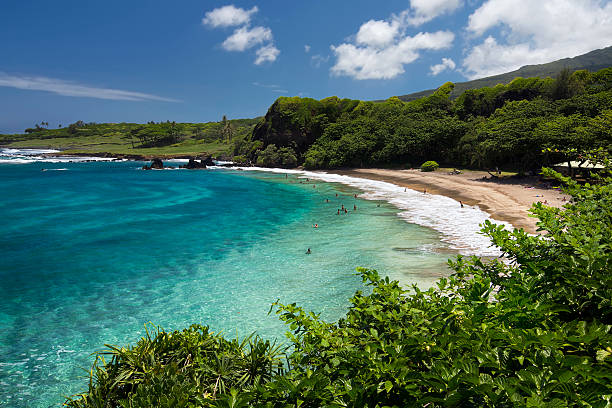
(506,199)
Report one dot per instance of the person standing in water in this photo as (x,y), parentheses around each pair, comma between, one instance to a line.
(308,252)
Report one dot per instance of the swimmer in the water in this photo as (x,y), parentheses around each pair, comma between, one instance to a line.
(354,207)
(316,226)
(308,252)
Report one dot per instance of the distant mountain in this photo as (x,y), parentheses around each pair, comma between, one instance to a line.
(593,61)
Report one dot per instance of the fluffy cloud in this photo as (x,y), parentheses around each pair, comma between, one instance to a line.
(228,16)
(381,48)
(447,63)
(69,88)
(267,53)
(535,32)
(306,48)
(386,62)
(377,33)
(422,11)
(244,38)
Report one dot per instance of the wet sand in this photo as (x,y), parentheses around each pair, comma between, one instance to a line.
(505,199)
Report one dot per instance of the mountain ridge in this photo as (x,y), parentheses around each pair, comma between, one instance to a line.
(592,61)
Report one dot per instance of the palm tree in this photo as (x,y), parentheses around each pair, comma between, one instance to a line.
(227,129)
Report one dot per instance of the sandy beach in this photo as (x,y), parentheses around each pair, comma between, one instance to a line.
(507,199)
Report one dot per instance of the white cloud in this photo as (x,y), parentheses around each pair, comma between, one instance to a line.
(535,32)
(244,38)
(267,53)
(388,62)
(69,88)
(422,11)
(377,33)
(381,48)
(307,48)
(228,16)
(447,63)
(317,60)
(271,87)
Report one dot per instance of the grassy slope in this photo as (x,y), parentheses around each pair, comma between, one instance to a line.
(196,138)
(592,61)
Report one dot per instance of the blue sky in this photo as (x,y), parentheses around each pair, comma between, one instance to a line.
(195,61)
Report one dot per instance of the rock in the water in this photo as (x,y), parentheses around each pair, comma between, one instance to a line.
(194,164)
(155,164)
(207,161)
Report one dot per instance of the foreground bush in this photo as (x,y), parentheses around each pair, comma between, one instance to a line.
(429,166)
(535,332)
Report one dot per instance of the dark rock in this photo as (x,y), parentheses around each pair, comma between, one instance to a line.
(155,164)
(207,161)
(194,164)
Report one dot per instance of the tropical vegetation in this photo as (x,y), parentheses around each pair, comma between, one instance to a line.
(533,329)
(520,126)
(150,139)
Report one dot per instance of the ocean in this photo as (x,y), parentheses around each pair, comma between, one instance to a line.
(91,251)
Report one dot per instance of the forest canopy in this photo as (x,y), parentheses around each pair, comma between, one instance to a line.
(523,125)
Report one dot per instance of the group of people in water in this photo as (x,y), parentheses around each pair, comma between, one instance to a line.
(341,210)
(344,210)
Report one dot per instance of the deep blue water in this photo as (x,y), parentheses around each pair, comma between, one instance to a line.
(90,254)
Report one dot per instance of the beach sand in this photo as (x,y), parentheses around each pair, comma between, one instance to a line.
(506,199)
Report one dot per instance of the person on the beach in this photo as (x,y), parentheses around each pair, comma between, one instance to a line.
(461,203)
(424,191)
(308,252)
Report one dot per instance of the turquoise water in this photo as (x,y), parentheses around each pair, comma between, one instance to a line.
(91,253)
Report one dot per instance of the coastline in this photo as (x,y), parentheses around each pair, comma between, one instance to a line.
(506,199)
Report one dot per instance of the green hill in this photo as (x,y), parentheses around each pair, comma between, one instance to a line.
(133,139)
(592,61)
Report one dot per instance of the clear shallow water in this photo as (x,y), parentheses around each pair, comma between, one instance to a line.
(92,252)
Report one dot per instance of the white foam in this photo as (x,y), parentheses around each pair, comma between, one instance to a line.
(25,156)
(27,152)
(460,227)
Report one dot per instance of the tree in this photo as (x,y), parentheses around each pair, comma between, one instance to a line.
(227,130)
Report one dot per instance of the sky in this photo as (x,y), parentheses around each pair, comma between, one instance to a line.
(195,61)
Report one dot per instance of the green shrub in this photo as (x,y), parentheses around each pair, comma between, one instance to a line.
(429,166)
